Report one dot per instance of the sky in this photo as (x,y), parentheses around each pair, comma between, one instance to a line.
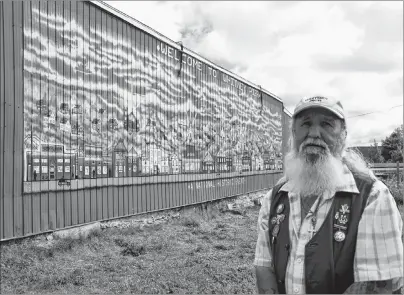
(349,50)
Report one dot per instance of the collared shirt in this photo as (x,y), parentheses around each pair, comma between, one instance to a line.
(379,248)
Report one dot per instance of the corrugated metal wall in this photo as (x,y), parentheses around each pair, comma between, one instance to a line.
(101,120)
(11,114)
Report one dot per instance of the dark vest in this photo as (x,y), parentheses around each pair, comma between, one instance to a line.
(328,263)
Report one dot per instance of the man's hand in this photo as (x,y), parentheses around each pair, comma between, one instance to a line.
(371,287)
(266,281)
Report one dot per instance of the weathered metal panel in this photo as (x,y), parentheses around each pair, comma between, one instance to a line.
(9,120)
(29,103)
(18,113)
(94,200)
(55,206)
(2,122)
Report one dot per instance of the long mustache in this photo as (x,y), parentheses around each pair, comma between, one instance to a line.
(316,142)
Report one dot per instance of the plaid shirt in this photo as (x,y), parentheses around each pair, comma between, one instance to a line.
(379,248)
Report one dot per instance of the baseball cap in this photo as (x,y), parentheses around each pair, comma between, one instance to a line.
(330,104)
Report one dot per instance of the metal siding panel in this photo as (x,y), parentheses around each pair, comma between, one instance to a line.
(94,200)
(131,39)
(107,29)
(99,63)
(67,91)
(127,210)
(161,196)
(2,126)
(78,11)
(36,213)
(116,201)
(176,198)
(27,199)
(55,209)
(140,45)
(143,199)
(36,198)
(18,113)
(86,31)
(9,120)
(72,18)
(110,201)
(44,89)
(153,196)
(124,102)
(80,206)
(94,100)
(169,192)
(174,189)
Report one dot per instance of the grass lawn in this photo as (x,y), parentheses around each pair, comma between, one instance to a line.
(192,254)
(196,253)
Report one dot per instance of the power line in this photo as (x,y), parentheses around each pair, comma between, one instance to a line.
(365,114)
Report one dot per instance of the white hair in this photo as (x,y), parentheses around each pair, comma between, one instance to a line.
(327,172)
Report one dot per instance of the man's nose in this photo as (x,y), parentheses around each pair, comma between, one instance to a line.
(314,131)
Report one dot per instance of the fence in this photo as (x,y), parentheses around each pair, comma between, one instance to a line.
(385,170)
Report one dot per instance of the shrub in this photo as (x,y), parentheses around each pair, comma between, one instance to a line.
(133,249)
(190,222)
(396,191)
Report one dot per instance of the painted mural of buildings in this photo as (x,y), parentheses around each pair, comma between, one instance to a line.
(210,117)
(191,160)
(237,163)
(246,162)
(258,162)
(133,162)
(119,159)
(175,164)
(208,163)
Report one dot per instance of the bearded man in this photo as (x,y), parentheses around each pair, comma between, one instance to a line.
(329,225)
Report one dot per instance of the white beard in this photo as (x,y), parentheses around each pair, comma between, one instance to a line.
(313,177)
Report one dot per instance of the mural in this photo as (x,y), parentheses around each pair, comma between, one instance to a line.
(104,99)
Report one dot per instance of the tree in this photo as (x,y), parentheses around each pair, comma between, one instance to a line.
(392,146)
(375,155)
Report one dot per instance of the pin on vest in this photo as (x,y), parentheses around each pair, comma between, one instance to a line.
(342,218)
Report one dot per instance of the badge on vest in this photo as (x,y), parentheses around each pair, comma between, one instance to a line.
(280,208)
(339,236)
(342,218)
(276,221)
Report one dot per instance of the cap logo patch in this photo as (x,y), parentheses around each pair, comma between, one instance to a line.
(316,99)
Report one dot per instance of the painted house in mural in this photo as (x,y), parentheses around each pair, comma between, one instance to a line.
(90,163)
(223,161)
(258,162)
(119,159)
(237,163)
(191,160)
(164,163)
(146,164)
(133,162)
(266,159)
(175,164)
(246,161)
(208,163)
